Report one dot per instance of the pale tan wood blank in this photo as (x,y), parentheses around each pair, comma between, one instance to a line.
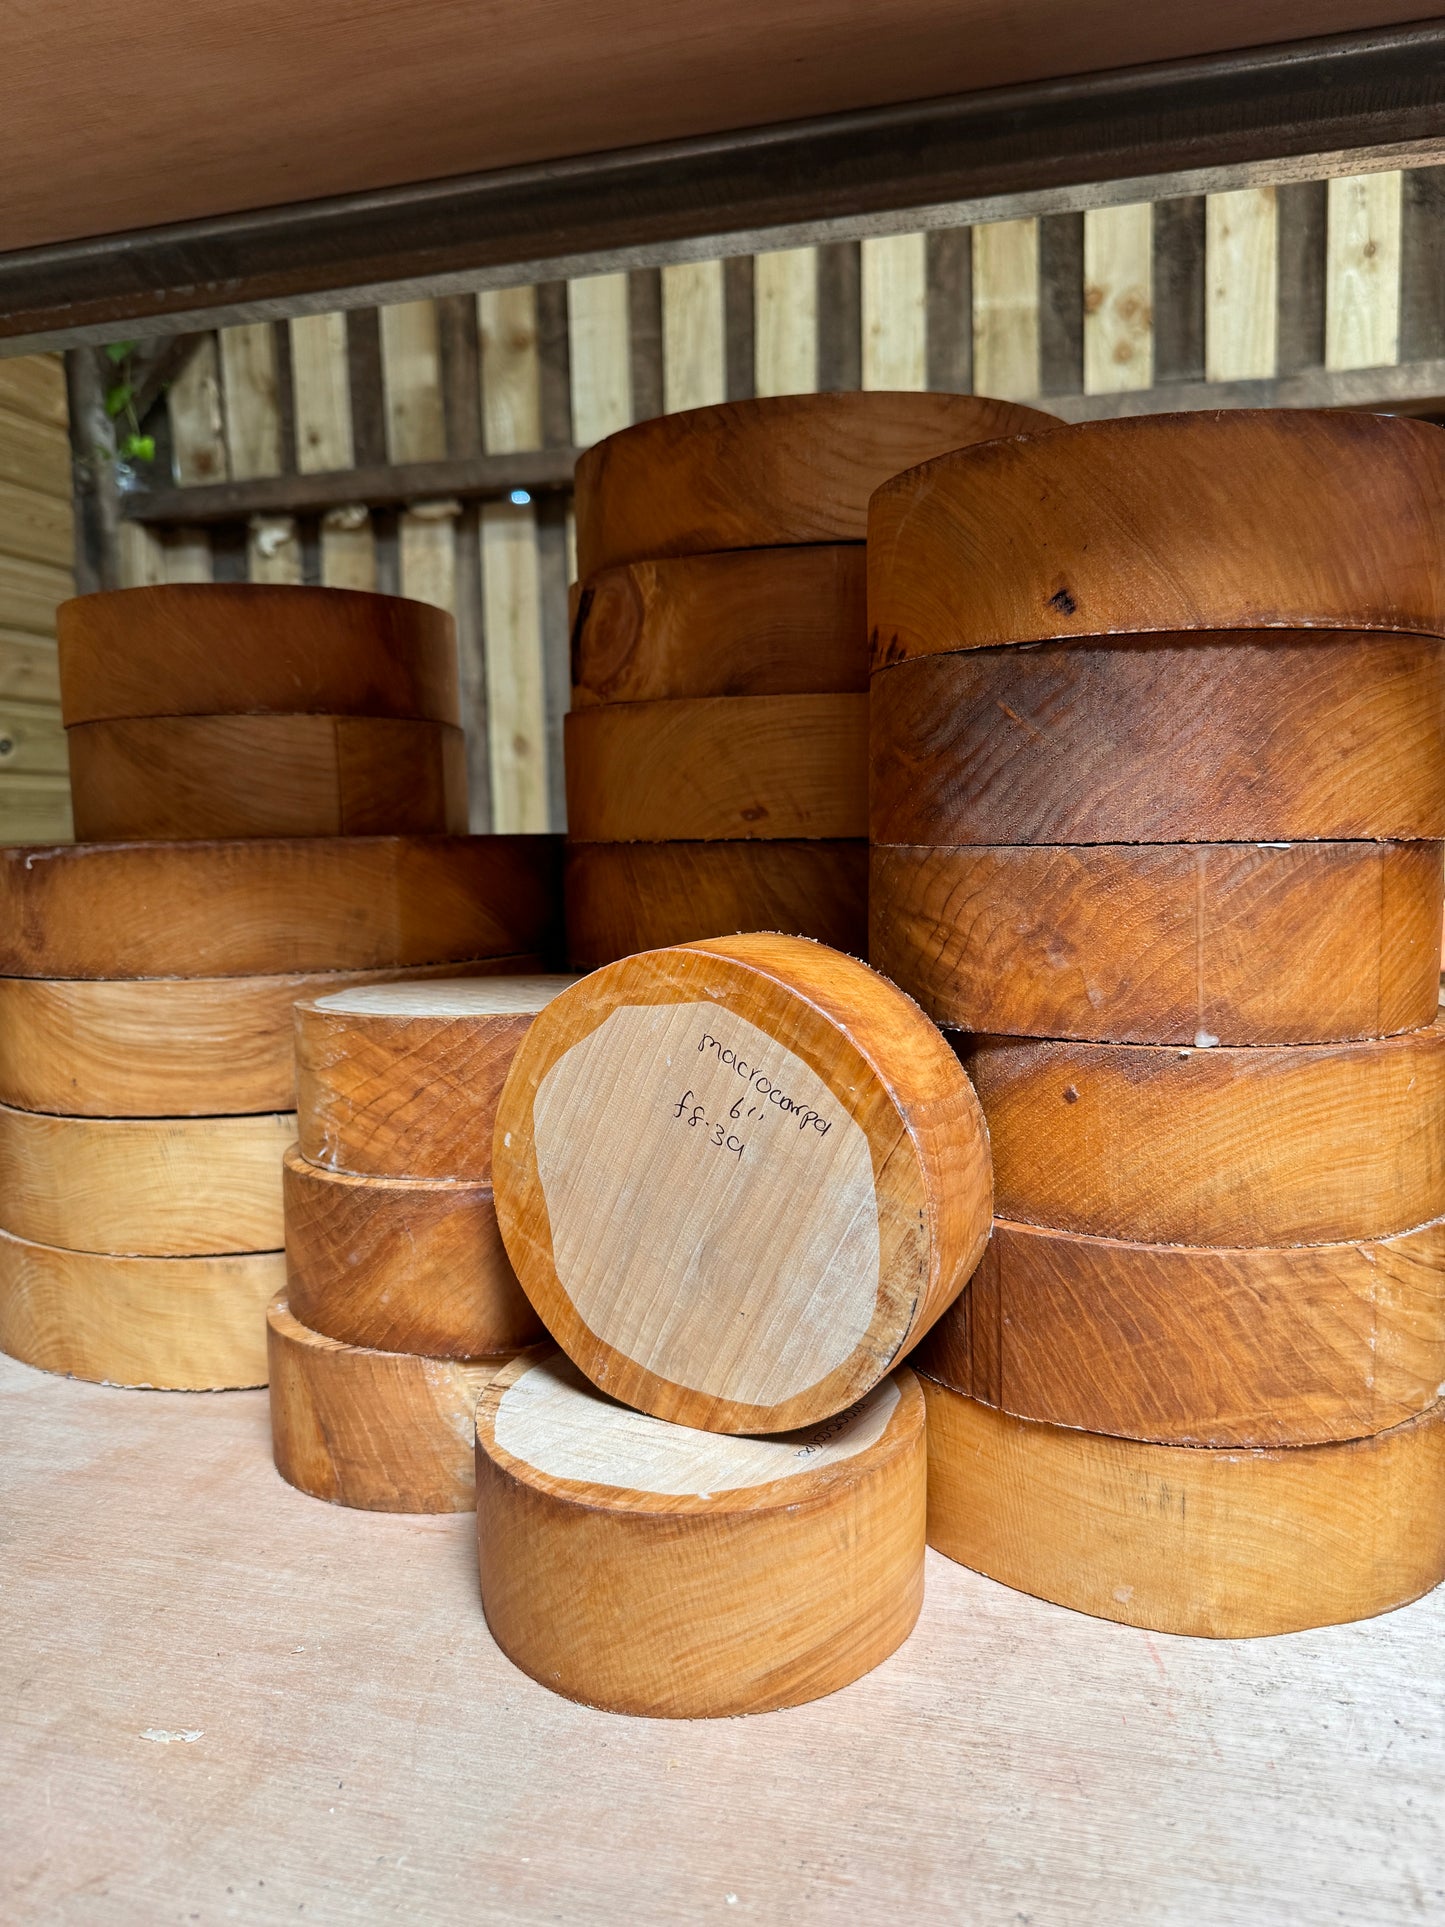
(269,906)
(401,1264)
(1164,943)
(718,767)
(241,648)
(626,897)
(1189,1346)
(177,1324)
(382,1431)
(1214,738)
(753,622)
(767,473)
(1230,1544)
(739,1179)
(402,1080)
(649,1568)
(225,776)
(1248,519)
(1313,1144)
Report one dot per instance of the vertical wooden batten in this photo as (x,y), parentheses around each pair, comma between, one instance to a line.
(1362,273)
(321,378)
(1118,298)
(694,341)
(1242,285)
(511,375)
(600,352)
(515,680)
(348,549)
(411,377)
(198,434)
(1006,310)
(273,549)
(250,387)
(895,311)
(785,322)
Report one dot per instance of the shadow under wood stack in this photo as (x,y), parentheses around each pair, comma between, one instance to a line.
(1158,794)
(716,751)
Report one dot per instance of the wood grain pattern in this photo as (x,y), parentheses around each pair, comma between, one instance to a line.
(748,1574)
(1241,281)
(1228,1544)
(1240,520)
(198,427)
(599,359)
(250,386)
(1362,270)
(894,277)
(516,700)
(785,321)
(765,473)
(763,1276)
(268,906)
(511,390)
(626,897)
(1118,298)
(694,336)
(321,378)
(1005,284)
(1164,943)
(1190,1346)
(178,1324)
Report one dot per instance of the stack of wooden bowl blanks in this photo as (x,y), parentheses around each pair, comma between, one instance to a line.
(738,1179)
(1158,797)
(400,1301)
(716,753)
(226,710)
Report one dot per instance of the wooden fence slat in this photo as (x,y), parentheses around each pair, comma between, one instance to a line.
(1006,310)
(253,412)
(34,386)
(35,525)
(321,380)
(1118,298)
(30,593)
(511,400)
(1362,271)
(34,455)
(273,549)
(29,668)
(198,431)
(785,322)
(32,741)
(1241,333)
(694,337)
(348,549)
(426,535)
(895,309)
(601,358)
(187,555)
(142,557)
(35,809)
(411,376)
(516,681)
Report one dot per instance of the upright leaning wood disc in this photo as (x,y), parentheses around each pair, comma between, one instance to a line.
(402,1080)
(765,474)
(1247,519)
(216,649)
(1183,1539)
(650,1568)
(739,1179)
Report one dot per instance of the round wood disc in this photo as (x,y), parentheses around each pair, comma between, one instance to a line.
(225,776)
(166,1187)
(1189,1346)
(1216,739)
(739,1179)
(1290,1144)
(626,897)
(1182,1539)
(175,1324)
(756,622)
(382,1431)
(402,1080)
(169,1046)
(1245,519)
(1240,943)
(271,906)
(765,474)
(718,767)
(649,1568)
(234,648)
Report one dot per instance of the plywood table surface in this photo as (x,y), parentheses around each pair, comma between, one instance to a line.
(221,1700)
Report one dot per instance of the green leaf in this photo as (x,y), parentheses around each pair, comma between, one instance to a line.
(119,351)
(118,398)
(139,448)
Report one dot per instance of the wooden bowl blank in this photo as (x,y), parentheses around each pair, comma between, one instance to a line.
(402,1080)
(1164,943)
(401,1264)
(718,767)
(224,776)
(765,474)
(265,907)
(756,622)
(648,1568)
(1177,739)
(1190,1346)
(738,1179)
(176,1324)
(1227,1544)
(626,897)
(382,1431)
(216,649)
(1248,519)
(1312,1144)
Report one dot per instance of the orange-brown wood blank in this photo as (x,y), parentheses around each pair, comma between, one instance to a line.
(1188,1346)
(177,1324)
(753,622)
(1292,1144)
(1229,1544)
(1164,943)
(767,473)
(1216,738)
(718,767)
(225,776)
(739,1179)
(247,648)
(626,897)
(652,1569)
(382,1431)
(1246,519)
(271,906)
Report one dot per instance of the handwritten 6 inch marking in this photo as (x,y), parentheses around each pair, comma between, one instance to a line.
(692,1114)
